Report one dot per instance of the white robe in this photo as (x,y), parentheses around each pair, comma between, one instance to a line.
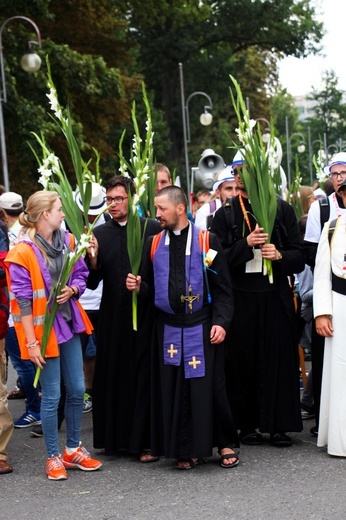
(330,258)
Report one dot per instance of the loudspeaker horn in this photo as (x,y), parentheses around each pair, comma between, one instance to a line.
(208,165)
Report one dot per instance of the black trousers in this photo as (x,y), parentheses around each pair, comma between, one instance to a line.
(317,354)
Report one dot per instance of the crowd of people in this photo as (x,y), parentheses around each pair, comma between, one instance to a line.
(214,360)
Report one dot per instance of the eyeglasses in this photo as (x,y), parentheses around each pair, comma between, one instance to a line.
(335,175)
(117,200)
(236,172)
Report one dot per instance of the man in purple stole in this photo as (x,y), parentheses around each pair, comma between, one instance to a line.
(185,272)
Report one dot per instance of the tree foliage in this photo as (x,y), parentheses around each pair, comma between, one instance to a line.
(99,51)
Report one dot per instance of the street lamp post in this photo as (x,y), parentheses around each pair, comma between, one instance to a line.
(266,133)
(300,148)
(205,119)
(30,62)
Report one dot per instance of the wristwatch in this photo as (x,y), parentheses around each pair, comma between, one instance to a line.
(73,291)
(279,256)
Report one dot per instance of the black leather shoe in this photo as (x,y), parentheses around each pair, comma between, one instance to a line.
(5,467)
(252,438)
(280,439)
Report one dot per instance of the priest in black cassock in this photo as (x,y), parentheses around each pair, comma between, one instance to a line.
(262,368)
(121,386)
(184,272)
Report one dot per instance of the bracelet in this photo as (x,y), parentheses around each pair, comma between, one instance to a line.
(279,256)
(73,291)
(33,344)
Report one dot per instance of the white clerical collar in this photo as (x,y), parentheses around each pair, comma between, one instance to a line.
(188,242)
(122,223)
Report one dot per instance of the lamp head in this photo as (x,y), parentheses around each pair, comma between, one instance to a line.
(206,118)
(30,62)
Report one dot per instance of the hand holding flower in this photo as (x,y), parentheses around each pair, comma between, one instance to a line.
(257,237)
(65,294)
(270,252)
(36,356)
(133,282)
(92,251)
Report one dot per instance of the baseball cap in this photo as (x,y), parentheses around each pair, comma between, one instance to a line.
(224,176)
(11,200)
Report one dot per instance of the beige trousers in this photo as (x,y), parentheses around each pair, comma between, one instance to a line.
(6,423)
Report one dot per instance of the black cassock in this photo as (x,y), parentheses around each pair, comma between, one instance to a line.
(190,416)
(121,387)
(262,368)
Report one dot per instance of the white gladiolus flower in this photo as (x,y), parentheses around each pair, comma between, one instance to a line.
(53,100)
(83,243)
(44,181)
(135,200)
(58,115)
(321,176)
(141,190)
(71,255)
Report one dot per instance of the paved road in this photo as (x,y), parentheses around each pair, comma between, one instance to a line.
(270,483)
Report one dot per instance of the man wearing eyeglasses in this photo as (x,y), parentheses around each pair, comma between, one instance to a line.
(121,387)
(334,207)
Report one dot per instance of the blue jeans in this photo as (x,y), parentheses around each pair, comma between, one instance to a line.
(70,366)
(25,370)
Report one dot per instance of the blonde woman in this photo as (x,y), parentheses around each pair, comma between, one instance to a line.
(34,265)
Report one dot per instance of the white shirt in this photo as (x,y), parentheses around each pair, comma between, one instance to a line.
(313,223)
(203,213)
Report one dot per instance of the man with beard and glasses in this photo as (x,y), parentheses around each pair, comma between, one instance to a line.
(121,383)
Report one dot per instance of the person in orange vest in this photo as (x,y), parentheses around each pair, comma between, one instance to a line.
(34,264)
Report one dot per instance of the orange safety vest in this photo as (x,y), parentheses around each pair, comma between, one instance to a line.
(23,254)
(203,239)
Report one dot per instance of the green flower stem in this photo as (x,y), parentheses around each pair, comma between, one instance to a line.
(134,310)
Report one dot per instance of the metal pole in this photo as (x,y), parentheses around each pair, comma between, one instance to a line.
(3,150)
(325,148)
(288,151)
(3,95)
(310,153)
(187,166)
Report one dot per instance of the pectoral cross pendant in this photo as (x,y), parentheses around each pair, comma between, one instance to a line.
(190,298)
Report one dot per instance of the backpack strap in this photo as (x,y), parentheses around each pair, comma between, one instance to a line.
(331,230)
(72,241)
(324,211)
(154,244)
(212,206)
(204,240)
(212,209)
(232,228)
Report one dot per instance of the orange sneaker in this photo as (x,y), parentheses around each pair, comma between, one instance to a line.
(55,469)
(80,459)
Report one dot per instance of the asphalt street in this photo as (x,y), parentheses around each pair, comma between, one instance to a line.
(270,483)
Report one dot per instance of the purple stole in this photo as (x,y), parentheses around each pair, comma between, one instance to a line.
(181,342)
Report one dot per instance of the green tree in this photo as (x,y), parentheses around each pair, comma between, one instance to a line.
(329,109)
(100,49)
(99,95)
(205,36)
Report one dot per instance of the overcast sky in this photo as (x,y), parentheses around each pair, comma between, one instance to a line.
(298,76)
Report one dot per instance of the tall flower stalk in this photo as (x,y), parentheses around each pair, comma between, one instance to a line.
(256,173)
(140,168)
(52,173)
(140,165)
